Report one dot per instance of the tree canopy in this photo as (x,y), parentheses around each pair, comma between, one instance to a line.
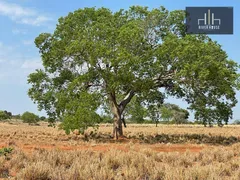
(96,56)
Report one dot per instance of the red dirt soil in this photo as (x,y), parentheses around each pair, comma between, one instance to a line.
(121,145)
(108,146)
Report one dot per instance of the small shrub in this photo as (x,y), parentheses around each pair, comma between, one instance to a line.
(5,151)
(29,118)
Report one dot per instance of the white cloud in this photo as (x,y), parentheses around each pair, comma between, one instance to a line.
(19,31)
(32,64)
(4,50)
(27,42)
(15,66)
(36,21)
(14,10)
(22,15)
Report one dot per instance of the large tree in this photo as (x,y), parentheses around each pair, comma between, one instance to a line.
(96,56)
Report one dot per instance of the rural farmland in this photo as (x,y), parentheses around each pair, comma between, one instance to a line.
(113,90)
(49,152)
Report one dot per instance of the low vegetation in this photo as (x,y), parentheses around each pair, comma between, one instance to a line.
(5,151)
(30,118)
(216,163)
(5,115)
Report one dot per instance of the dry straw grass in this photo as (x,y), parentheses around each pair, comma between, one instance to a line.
(41,135)
(217,163)
(34,155)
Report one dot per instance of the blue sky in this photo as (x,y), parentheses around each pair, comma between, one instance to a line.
(23,20)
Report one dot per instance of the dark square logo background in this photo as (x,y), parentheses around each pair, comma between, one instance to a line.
(225,14)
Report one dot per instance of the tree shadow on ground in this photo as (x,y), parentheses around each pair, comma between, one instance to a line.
(165,138)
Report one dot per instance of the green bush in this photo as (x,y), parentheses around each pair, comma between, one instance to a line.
(43,118)
(106,119)
(29,118)
(5,115)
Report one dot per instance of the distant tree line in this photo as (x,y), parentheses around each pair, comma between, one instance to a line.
(167,113)
(237,122)
(136,112)
(170,113)
(26,117)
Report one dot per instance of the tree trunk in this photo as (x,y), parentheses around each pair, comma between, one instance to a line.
(117,125)
(117,121)
(117,110)
(210,124)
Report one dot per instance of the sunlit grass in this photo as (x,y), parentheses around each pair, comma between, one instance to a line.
(42,152)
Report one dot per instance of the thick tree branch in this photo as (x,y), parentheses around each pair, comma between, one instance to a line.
(167,80)
(168,76)
(126,100)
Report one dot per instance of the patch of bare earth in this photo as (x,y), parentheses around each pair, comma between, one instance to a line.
(109,146)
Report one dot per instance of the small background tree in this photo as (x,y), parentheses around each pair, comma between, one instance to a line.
(135,111)
(5,115)
(169,113)
(237,122)
(29,118)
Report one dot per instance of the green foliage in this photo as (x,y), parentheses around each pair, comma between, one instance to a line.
(43,118)
(179,118)
(178,115)
(81,113)
(9,114)
(136,52)
(237,122)
(169,114)
(5,115)
(5,151)
(29,118)
(166,113)
(106,119)
(135,111)
(18,116)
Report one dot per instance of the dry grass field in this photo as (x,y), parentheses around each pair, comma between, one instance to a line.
(147,152)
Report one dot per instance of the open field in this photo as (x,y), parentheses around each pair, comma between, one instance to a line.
(147,152)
